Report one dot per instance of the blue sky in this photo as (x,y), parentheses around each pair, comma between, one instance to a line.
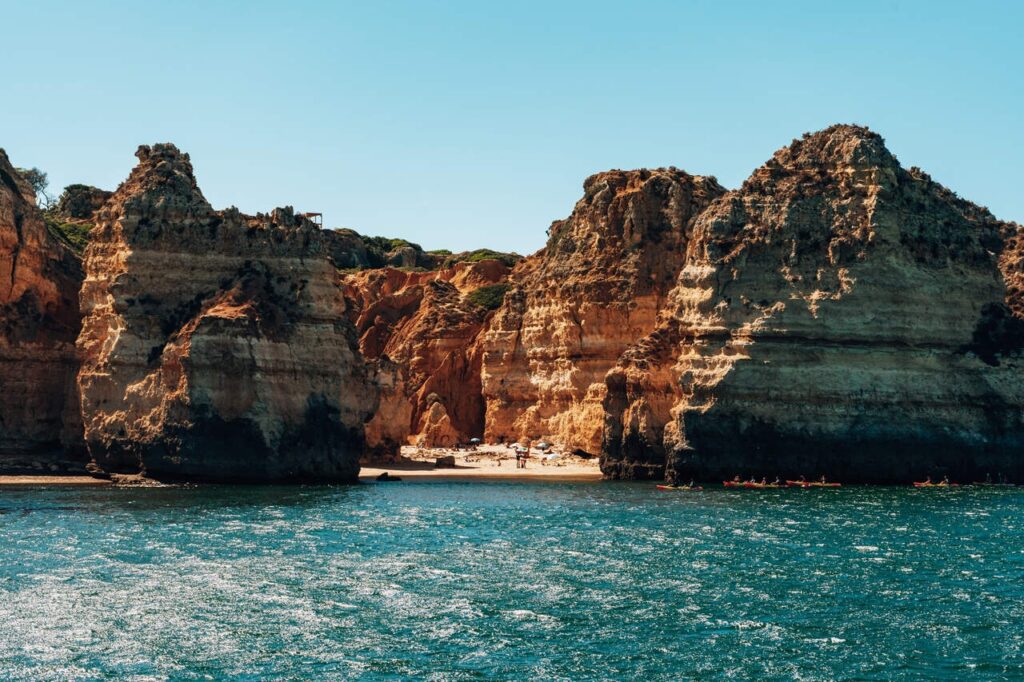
(469,124)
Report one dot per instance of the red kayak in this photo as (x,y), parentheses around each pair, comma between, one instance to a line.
(680,487)
(813,484)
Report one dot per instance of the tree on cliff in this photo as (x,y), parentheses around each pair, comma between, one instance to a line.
(39,182)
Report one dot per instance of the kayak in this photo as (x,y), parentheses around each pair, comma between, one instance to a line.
(925,484)
(680,487)
(812,484)
(748,484)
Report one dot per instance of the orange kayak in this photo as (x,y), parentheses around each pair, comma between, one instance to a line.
(926,484)
(813,484)
(748,484)
(680,487)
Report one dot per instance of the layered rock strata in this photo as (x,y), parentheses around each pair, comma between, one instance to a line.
(215,345)
(421,329)
(575,306)
(836,315)
(39,321)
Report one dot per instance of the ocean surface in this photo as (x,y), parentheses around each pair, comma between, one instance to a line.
(510,581)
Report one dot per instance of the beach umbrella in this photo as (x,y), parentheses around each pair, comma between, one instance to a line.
(474,441)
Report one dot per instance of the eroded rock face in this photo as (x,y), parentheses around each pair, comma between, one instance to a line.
(79,202)
(575,307)
(836,315)
(215,345)
(422,330)
(39,320)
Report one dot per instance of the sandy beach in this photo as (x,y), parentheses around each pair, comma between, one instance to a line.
(486,462)
(52,480)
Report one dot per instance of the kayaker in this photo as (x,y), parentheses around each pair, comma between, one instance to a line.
(736,479)
(945,480)
(803,479)
(777,481)
(928,481)
(823,479)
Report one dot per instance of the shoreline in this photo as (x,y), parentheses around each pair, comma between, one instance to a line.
(484,462)
(36,479)
(464,473)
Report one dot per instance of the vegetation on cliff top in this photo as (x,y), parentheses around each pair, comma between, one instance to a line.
(395,252)
(509,259)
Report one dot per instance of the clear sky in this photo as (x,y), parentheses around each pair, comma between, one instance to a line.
(469,124)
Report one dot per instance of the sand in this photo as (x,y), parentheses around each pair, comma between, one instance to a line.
(52,480)
(483,463)
(414,464)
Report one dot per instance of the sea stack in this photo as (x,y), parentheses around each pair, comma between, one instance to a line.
(575,306)
(838,314)
(215,346)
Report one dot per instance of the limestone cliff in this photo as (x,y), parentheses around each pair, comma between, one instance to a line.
(422,328)
(575,306)
(215,345)
(836,315)
(39,320)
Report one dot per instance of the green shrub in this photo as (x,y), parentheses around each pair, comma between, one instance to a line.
(489,297)
(509,259)
(75,235)
(386,244)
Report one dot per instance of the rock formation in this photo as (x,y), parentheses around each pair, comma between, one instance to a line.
(422,329)
(215,345)
(575,306)
(836,315)
(39,321)
(80,202)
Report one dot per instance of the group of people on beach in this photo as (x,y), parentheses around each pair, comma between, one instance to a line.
(522,456)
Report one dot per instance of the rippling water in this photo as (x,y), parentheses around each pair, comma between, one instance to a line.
(510,581)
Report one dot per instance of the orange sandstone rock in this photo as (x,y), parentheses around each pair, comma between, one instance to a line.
(836,315)
(575,306)
(39,320)
(215,345)
(422,329)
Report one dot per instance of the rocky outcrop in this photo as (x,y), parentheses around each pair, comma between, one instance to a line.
(80,202)
(350,250)
(422,330)
(39,321)
(215,345)
(575,306)
(836,315)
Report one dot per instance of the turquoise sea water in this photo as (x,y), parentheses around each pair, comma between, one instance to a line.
(487,580)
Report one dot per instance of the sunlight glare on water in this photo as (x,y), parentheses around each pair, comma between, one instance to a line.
(488,580)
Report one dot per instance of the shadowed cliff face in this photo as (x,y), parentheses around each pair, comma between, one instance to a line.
(837,314)
(580,302)
(421,329)
(215,345)
(39,320)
